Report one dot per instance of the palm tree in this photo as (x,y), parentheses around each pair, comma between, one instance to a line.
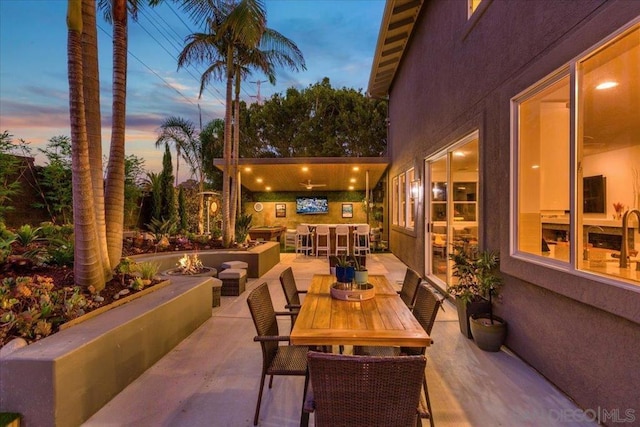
(98,215)
(173,131)
(91,81)
(88,264)
(231,47)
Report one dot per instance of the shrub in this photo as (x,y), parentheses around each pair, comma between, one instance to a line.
(26,235)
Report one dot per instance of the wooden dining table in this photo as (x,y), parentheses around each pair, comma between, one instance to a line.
(383,320)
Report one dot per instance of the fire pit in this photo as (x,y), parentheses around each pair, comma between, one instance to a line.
(190,265)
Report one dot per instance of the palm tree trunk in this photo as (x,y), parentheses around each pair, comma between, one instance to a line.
(91,81)
(235,185)
(115,169)
(87,263)
(227,232)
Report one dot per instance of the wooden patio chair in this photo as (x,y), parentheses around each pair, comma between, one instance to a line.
(365,390)
(276,359)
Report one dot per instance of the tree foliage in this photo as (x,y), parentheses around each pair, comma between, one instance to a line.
(167,191)
(318,121)
(10,169)
(55,180)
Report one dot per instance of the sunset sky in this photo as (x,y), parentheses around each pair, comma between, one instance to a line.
(336,37)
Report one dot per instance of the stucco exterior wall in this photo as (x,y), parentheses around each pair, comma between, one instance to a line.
(457,76)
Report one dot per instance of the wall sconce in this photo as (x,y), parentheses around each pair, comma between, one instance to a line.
(415,189)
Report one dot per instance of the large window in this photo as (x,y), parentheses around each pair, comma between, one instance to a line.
(577,146)
(404,199)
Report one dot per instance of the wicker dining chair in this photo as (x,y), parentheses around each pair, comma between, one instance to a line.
(276,359)
(425,311)
(366,391)
(409,288)
(291,293)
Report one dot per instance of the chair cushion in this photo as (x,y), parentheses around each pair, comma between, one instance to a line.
(235,264)
(232,273)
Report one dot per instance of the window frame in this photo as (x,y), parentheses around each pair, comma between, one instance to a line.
(572,69)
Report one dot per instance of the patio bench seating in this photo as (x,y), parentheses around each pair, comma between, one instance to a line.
(234,281)
(217,288)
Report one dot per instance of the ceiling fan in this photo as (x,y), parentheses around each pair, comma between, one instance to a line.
(309,186)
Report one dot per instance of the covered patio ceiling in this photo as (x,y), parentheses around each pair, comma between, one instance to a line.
(301,174)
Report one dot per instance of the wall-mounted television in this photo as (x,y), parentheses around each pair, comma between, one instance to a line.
(310,205)
(594,196)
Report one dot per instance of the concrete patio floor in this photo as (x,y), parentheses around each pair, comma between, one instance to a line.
(212,377)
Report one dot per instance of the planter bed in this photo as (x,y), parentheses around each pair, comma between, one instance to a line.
(260,258)
(64,379)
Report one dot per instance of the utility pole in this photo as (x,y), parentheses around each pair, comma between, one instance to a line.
(258,97)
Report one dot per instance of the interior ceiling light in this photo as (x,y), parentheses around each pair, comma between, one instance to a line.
(535,167)
(356,168)
(247,169)
(258,179)
(351,187)
(607,85)
(267,188)
(352,180)
(458,153)
(305,169)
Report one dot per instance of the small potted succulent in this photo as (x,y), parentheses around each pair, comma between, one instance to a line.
(478,283)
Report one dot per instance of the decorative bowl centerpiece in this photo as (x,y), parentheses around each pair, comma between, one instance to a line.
(352,292)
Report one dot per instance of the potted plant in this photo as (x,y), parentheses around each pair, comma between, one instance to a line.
(478,282)
(361,274)
(345,271)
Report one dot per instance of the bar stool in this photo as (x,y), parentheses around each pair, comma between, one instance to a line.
(342,239)
(290,239)
(361,243)
(323,240)
(304,242)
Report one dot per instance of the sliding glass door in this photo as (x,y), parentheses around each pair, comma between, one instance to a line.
(452,207)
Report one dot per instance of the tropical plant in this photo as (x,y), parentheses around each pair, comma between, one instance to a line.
(478,276)
(242,227)
(162,228)
(25,235)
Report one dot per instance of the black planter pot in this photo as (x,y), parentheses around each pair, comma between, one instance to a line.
(487,335)
(465,311)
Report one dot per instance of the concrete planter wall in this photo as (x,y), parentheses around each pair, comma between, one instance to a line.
(259,259)
(64,379)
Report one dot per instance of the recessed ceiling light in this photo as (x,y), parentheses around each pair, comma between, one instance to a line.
(607,85)
(458,153)
(356,168)
(247,169)
(535,167)
(267,188)
(352,180)
(351,187)
(305,169)
(258,179)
